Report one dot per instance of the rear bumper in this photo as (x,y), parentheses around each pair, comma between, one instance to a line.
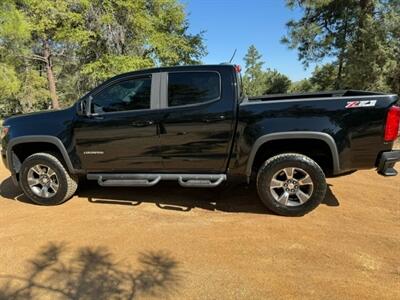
(387,162)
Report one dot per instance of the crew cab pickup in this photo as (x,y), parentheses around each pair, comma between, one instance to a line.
(194,125)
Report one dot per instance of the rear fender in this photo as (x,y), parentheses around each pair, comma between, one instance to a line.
(295,135)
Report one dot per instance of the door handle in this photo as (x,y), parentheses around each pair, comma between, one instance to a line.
(97,117)
(215,119)
(142,123)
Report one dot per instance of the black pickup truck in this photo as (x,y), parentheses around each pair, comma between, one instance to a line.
(192,124)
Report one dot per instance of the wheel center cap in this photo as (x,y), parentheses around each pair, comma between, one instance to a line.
(291,186)
(45,180)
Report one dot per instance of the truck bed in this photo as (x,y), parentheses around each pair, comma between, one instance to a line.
(310,95)
(354,119)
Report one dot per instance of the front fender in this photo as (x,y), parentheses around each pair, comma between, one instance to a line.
(13,162)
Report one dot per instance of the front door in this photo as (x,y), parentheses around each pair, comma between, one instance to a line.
(121,134)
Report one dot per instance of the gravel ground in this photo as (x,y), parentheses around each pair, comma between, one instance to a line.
(169,242)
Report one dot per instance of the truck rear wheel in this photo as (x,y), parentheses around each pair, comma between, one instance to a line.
(291,184)
(45,181)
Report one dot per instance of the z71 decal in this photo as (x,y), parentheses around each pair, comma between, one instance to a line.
(355,104)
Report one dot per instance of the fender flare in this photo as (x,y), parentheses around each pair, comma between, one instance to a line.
(328,139)
(38,139)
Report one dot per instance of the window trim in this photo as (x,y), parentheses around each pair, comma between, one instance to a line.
(165,103)
(153,106)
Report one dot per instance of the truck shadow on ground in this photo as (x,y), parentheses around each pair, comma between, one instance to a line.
(169,195)
(92,273)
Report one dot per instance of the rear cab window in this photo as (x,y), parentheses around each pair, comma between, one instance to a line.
(189,88)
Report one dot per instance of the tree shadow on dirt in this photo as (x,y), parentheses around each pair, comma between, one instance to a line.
(171,196)
(92,274)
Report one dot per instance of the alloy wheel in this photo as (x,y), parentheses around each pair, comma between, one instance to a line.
(291,186)
(43,181)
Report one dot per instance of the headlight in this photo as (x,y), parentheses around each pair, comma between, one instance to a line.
(4,131)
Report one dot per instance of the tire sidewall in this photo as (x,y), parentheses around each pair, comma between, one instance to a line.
(272,166)
(58,198)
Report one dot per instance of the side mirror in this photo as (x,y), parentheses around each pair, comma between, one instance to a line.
(84,106)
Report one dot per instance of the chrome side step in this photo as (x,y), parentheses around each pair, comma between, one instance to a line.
(201,182)
(128,182)
(143,180)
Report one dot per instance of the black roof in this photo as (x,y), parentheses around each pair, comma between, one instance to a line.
(163,69)
(181,67)
(171,69)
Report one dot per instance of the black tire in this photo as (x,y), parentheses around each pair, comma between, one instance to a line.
(291,160)
(67,184)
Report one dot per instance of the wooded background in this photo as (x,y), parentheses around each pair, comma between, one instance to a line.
(54,51)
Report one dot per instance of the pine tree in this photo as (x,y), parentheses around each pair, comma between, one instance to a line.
(62,48)
(361,36)
(257,82)
(276,83)
(254,76)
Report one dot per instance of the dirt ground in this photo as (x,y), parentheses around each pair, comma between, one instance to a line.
(169,242)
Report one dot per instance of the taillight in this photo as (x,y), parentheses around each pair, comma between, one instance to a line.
(392,124)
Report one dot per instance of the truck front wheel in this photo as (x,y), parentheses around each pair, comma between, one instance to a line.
(45,181)
(291,184)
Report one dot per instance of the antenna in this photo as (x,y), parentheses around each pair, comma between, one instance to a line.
(233,55)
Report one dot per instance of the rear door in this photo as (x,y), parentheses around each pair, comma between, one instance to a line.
(197,126)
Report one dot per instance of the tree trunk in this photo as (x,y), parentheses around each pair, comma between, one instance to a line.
(367,9)
(338,83)
(367,6)
(343,45)
(50,76)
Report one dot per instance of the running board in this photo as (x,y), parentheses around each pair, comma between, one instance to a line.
(143,180)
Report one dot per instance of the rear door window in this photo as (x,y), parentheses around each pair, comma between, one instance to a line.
(187,88)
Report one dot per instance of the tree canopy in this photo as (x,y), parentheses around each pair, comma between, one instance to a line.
(53,51)
(257,81)
(361,37)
